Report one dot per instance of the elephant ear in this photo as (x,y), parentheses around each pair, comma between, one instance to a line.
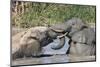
(86,36)
(79,37)
(90,35)
(61,27)
(38,33)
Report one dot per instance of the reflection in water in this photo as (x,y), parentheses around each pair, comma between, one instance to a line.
(48,50)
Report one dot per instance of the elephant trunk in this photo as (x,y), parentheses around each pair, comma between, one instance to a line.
(60,45)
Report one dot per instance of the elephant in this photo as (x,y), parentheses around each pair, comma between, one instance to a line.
(71,26)
(83,43)
(78,32)
(29,43)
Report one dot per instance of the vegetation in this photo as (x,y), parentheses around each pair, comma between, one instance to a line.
(30,14)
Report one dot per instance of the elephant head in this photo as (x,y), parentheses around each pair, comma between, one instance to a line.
(41,35)
(83,42)
(85,36)
(74,25)
(30,42)
(71,26)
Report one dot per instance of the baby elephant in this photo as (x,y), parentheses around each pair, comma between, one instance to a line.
(29,43)
(83,43)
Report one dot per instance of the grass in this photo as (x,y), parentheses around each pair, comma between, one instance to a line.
(44,14)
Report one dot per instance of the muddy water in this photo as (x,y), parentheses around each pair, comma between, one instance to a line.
(48,50)
(52,59)
(41,60)
(53,56)
(58,56)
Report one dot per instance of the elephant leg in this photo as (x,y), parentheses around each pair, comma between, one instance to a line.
(93,49)
(33,48)
(19,53)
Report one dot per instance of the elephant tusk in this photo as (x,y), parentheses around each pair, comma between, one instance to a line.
(60,45)
(62,41)
(62,35)
(57,30)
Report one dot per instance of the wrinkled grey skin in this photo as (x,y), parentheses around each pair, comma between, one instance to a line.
(83,42)
(86,36)
(74,25)
(29,43)
(82,38)
(71,26)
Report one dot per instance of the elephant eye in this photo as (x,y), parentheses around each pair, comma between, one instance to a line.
(74,42)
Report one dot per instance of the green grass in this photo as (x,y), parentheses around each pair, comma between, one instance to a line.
(44,14)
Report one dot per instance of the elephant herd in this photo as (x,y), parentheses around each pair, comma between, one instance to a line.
(29,43)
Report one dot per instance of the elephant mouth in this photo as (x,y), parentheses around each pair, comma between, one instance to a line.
(61,39)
